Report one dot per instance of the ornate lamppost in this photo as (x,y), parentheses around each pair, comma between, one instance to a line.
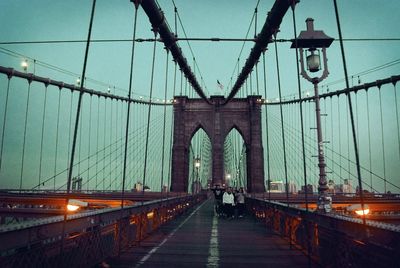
(314,42)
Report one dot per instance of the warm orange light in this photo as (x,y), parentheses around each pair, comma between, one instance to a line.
(74,204)
(362,212)
(72,207)
(150,215)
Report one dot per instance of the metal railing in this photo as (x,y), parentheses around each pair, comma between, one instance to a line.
(331,240)
(90,237)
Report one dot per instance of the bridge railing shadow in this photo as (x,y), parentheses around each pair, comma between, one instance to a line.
(90,236)
(330,240)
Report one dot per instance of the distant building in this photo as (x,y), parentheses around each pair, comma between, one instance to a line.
(77,184)
(292,188)
(347,188)
(331,187)
(309,189)
(277,187)
(344,188)
(138,187)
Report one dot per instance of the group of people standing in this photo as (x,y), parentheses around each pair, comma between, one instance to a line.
(227,200)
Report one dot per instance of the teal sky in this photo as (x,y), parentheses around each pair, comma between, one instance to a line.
(108,63)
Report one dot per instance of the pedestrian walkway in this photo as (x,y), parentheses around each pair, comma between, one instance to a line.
(200,239)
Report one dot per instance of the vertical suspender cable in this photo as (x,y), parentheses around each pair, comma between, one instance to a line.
(348,143)
(172,133)
(369,143)
(357,120)
(89,146)
(397,118)
(302,133)
(266,129)
(149,110)
(351,111)
(80,144)
(42,135)
(383,141)
(255,21)
(78,110)
(70,127)
(332,139)
(110,146)
(136,4)
(165,112)
(194,73)
(258,89)
(283,132)
(97,140)
(181,83)
(4,122)
(104,144)
(255,36)
(57,131)
(186,87)
(251,85)
(282,127)
(340,140)
(23,144)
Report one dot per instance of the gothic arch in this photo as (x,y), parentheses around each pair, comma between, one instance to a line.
(193,128)
(217,120)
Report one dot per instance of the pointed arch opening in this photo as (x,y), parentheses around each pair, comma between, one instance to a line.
(235,159)
(200,161)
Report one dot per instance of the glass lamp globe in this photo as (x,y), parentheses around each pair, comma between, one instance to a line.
(313,62)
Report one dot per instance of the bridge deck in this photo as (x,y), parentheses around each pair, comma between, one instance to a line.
(200,239)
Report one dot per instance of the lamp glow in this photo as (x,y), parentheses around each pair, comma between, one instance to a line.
(74,204)
(362,212)
(72,207)
(150,215)
(197,162)
(24,65)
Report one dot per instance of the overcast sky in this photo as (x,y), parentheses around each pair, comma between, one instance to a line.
(108,63)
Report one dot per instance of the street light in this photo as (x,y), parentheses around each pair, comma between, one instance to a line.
(197,163)
(228,179)
(24,65)
(314,42)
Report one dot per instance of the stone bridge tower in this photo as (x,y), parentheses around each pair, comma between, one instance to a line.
(217,121)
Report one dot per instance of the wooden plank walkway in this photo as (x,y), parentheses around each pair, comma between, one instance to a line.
(200,239)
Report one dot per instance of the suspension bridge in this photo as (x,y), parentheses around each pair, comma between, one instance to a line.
(95,174)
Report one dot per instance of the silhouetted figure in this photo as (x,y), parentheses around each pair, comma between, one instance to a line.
(240,202)
(218,193)
(228,201)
